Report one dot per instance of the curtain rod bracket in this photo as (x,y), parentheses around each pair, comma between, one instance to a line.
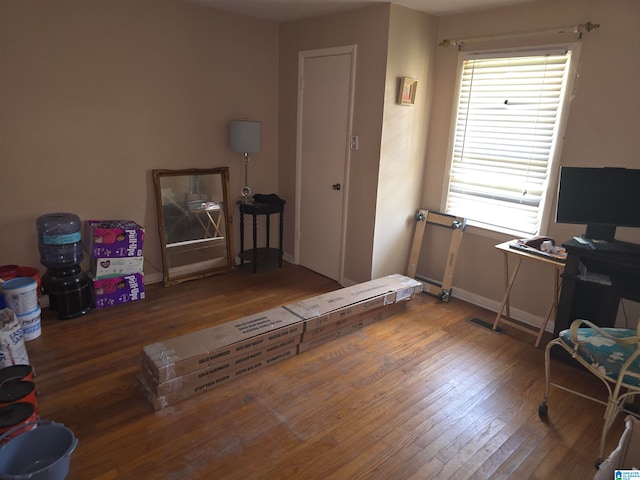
(588,26)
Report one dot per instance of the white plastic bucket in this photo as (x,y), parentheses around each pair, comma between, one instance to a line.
(21,295)
(30,324)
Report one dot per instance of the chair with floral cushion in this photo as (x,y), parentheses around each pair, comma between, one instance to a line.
(612,355)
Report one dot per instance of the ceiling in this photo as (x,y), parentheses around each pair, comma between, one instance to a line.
(289,10)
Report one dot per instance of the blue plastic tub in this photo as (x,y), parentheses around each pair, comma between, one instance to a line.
(39,454)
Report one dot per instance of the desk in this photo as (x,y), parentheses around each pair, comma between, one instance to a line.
(586,298)
(256,254)
(508,285)
(210,225)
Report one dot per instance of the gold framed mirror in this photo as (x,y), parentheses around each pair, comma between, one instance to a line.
(194,223)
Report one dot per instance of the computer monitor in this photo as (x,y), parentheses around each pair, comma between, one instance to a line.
(600,198)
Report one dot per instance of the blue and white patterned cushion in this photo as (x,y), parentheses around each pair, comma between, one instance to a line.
(603,353)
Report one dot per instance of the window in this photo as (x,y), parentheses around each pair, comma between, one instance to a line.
(506,129)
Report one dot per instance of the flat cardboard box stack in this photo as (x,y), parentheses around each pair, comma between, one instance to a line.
(116,260)
(184,366)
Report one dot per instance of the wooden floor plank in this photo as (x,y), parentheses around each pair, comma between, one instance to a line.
(420,395)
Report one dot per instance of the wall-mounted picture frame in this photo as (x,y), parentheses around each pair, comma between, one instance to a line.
(407,91)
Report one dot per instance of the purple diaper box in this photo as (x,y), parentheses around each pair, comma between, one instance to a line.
(118,290)
(113,238)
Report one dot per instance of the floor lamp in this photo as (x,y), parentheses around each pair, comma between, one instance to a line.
(245,138)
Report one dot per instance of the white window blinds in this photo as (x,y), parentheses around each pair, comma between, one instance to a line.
(505,133)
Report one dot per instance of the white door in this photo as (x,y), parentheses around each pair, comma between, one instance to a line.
(324,124)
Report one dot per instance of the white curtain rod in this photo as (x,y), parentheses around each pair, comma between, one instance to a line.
(577,29)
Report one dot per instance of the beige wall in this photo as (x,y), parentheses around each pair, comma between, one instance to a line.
(366,28)
(411,53)
(96,94)
(602,128)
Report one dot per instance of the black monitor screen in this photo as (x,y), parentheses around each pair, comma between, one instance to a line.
(601,198)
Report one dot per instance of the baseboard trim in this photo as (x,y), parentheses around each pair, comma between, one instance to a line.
(516,313)
(483,302)
(151,278)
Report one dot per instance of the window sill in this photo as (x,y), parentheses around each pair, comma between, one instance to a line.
(495,233)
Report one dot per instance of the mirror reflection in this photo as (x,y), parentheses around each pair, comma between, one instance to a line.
(193,222)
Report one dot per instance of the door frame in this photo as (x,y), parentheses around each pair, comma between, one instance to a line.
(350,50)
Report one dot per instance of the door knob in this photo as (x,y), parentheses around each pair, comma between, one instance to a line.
(336,186)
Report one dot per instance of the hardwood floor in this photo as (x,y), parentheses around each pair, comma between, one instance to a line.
(421,395)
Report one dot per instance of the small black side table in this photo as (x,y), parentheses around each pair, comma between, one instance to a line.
(256,254)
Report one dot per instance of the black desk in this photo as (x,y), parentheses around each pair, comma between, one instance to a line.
(256,254)
(584,298)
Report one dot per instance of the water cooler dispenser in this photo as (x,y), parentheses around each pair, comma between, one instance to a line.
(60,246)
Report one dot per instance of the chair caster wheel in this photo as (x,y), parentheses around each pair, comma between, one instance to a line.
(543,410)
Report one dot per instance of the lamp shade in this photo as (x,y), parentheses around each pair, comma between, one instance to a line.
(245,136)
